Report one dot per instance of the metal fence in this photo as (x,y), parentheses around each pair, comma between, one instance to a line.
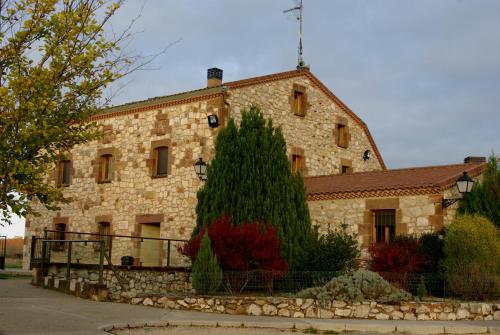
(135,250)
(437,285)
(3,251)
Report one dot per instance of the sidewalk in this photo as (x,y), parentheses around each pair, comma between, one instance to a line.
(26,310)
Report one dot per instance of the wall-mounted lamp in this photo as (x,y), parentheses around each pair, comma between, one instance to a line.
(464,185)
(200,167)
(213,121)
(367,155)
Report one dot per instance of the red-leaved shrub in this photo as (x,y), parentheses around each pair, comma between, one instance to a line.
(242,249)
(396,259)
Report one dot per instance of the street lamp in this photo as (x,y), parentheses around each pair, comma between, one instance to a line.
(200,167)
(464,186)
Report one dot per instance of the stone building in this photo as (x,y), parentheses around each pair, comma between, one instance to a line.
(138,179)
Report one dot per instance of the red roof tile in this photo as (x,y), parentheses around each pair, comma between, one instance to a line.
(440,177)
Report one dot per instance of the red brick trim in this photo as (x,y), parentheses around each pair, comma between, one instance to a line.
(153,106)
(374,194)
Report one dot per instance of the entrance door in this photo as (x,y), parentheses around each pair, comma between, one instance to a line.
(150,249)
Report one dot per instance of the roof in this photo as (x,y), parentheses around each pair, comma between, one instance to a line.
(408,181)
(218,91)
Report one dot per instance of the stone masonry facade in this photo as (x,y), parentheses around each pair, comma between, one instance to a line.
(134,196)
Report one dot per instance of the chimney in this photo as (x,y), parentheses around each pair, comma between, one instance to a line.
(474,159)
(214,77)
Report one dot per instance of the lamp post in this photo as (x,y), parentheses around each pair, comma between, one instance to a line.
(200,167)
(464,186)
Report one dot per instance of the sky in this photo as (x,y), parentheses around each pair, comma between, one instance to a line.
(424,75)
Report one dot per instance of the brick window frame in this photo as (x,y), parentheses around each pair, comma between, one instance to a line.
(298,160)
(298,100)
(61,225)
(341,132)
(141,219)
(366,229)
(101,222)
(346,166)
(152,161)
(97,165)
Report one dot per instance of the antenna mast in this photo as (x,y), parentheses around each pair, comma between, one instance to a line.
(299,8)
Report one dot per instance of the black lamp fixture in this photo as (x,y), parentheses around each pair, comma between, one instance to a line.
(200,167)
(464,186)
(213,121)
(367,155)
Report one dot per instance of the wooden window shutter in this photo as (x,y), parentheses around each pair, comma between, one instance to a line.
(347,136)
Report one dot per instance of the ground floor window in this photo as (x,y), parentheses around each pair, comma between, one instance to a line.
(384,227)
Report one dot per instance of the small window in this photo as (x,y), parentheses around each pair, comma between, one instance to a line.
(105,229)
(299,103)
(342,139)
(64,173)
(346,169)
(384,229)
(105,168)
(297,163)
(161,158)
(60,234)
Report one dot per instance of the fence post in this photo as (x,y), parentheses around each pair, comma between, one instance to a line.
(68,270)
(42,264)
(101,261)
(168,253)
(32,251)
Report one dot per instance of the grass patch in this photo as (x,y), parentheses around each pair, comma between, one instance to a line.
(311,330)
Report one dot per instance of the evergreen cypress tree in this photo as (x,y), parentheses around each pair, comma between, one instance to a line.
(206,272)
(250,179)
(484,198)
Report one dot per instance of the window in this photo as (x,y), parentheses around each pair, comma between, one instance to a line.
(384,228)
(104,228)
(64,173)
(105,168)
(297,163)
(60,234)
(346,169)
(161,160)
(342,135)
(299,100)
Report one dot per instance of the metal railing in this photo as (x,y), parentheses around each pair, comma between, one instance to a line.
(146,251)
(3,251)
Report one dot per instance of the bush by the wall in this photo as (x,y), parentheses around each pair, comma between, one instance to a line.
(206,274)
(472,253)
(357,286)
(241,250)
(485,196)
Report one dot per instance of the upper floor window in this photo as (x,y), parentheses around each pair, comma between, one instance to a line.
(64,173)
(299,100)
(105,165)
(384,225)
(297,163)
(342,135)
(161,161)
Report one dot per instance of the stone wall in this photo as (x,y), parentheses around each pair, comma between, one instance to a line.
(309,308)
(135,282)
(416,214)
(134,195)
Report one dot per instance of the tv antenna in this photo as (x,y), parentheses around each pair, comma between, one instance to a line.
(298,9)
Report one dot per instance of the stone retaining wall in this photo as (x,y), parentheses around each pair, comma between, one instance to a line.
(309,308)
(137,281)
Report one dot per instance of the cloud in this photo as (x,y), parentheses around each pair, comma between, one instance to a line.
(424,75)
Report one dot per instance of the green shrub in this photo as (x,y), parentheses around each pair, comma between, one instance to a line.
(485,196)
(206,272)
(335,251)
(422,289)
(472,253)
(357,286)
